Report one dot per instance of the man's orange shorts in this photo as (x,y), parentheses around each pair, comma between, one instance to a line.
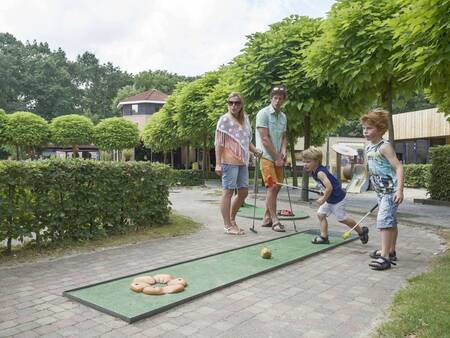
(268,168)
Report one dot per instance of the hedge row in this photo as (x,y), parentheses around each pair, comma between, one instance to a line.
(187,177)
(439,188)
(80,199)
(417,175)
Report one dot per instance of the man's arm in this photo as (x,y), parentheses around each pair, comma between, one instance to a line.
(284,146)
(388,151)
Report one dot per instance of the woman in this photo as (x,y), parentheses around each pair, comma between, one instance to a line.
(233,145)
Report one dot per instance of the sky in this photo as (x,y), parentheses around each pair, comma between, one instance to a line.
(180,36)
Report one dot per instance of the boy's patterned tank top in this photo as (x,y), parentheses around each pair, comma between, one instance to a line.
(382,174)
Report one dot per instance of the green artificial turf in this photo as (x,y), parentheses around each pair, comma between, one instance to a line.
(203,275)
(247,211)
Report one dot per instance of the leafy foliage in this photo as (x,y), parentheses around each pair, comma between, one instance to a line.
(116,133)
(3,120)
(160,79)
(422,31)
(439,188)
(26,131)
(78,199)
(417,175)
(71,130)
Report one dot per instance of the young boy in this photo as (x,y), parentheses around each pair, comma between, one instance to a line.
(386,177)
(333,199)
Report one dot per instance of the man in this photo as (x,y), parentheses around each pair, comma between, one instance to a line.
(271,124)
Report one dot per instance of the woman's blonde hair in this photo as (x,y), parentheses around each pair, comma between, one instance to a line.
(378,118)
(313,153)
(241,116)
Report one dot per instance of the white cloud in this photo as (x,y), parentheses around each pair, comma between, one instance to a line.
(186,37)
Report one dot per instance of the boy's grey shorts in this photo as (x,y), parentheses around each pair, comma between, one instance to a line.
(387,211)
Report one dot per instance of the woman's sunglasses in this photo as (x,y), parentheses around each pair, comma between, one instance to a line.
(234,103)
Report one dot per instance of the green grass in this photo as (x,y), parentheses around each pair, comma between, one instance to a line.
(422,309)
(177,226)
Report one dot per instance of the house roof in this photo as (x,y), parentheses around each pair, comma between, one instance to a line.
(149,96)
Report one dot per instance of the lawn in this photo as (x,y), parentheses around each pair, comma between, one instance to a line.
(422,309)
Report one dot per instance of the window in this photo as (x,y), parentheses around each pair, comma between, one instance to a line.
(134,109)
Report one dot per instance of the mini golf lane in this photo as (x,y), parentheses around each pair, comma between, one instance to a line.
(246,211)
(204,275)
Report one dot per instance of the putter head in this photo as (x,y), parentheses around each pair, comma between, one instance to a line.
(252,229)
(270,182)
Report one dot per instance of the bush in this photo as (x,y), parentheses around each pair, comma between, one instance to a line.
(417,175)
(79,199)
(186,177)
(439,188)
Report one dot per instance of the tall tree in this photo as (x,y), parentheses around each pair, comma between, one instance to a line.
(354,53)
(422,38)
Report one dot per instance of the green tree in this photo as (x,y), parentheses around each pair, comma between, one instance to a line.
(99,84)
(71,130)
(116,133)
(421,33)
(160,79)
(26,132)
(354,53)
(192,113)
(3,121)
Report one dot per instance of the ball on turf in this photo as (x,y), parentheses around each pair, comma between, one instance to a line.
(346,235)
(266,253)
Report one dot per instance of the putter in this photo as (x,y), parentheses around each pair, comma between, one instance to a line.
(290,204)
(271,182)
(346,234)
(255,185)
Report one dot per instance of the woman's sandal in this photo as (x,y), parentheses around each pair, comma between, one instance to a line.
(377,253)
(234,225)
(278,227)
(381,263)
(320,240)
(234,231)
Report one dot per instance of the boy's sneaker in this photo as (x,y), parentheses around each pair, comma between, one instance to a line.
(364,235)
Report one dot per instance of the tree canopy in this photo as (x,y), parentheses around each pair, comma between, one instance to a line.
(116,133)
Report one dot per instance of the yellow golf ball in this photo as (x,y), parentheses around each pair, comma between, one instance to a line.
(346,235)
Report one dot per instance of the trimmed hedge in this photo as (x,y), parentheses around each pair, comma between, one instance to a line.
(187,177)
(80,199)
(417,175)
(439,188)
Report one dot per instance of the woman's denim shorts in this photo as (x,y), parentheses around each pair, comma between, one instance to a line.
(234,176)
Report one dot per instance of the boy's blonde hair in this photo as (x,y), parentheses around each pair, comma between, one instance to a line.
(313,153)
(377,118)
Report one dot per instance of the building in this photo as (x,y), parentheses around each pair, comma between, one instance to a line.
(415,132)
(140,107)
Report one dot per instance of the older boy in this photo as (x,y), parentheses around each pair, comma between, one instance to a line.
(333,199)
(386,177)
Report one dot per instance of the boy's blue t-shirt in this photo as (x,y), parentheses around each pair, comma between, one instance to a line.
(338,194)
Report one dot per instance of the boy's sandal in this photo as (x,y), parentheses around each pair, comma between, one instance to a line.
(364,235)
(267,225)
(381,263)
(377,253)
(320,240)
(278,227)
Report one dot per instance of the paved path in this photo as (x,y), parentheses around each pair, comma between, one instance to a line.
(333,294)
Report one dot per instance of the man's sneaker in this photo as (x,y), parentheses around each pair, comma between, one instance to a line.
(364,235)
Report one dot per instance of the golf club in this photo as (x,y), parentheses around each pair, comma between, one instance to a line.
(255,187)
(271,182)
(346,234)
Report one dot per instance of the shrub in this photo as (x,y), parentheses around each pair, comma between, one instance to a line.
(80,199)
(417,175)
(186,177)
(439,188)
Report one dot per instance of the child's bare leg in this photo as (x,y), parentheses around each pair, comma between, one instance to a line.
(350,222)
(387,238)
(323,225)
(394,239)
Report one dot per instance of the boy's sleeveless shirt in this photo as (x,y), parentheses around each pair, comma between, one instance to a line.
(338,194)
(382,174)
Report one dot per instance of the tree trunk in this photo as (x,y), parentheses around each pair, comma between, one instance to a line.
(294,164)
(187,157)
(205,168)
(164,157)
(307,143)
(386,98)
(17,153)
(171,159)
(75,151)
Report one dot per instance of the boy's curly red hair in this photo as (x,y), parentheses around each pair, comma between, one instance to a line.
(377,118)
